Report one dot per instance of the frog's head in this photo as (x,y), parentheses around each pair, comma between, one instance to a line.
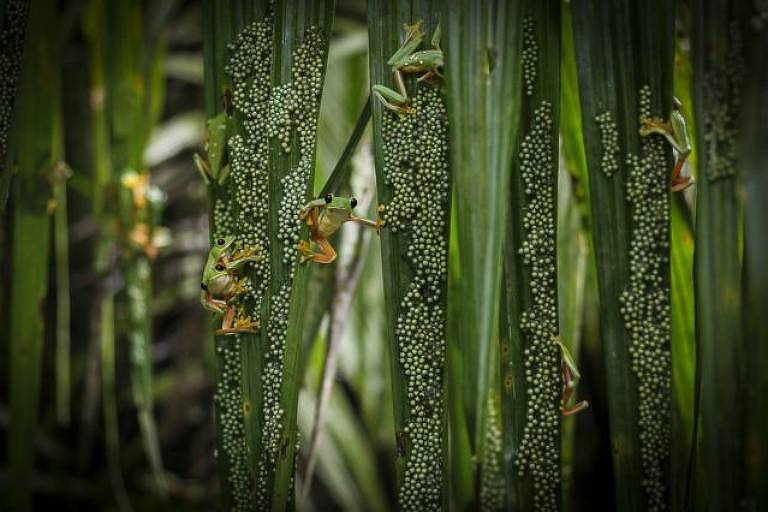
(223,243)
(338,204)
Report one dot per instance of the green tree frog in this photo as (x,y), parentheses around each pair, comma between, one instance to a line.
(406,59)
(215,167)
(222,288)
(324,216)
(676,132)
(571,376)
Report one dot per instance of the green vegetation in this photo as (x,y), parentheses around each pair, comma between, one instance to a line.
(383,255)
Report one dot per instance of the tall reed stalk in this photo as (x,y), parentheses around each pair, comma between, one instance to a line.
(532,396)
(718,32)
(133,83)
(274,70)
(754,163)
(625,71)
(39,135)
(481,41)
(413,183)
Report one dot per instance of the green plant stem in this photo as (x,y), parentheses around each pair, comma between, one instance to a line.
(111,424)
(38,108)
(754,160)
(413,179)
(531,398)
(640,55)
(481,43)
(718,58)
(63,306)
(343,169)
(133,69)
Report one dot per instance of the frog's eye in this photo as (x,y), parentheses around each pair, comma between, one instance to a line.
(202,285)
(219,267)
(328,198)
(353,202)
(220,241)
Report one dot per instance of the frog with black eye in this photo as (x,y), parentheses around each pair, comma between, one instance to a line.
(324,216)
(222,288)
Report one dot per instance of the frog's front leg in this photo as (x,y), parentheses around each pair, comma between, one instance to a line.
(240,257)
(377,224)
(203,168)
(393,100)
(310,210)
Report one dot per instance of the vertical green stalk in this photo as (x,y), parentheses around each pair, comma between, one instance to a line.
(531,397)
(481,42)
(13,25)
(274,69)
(111,427)
(219,24)
(683,310)
(132,72)
(413,180)
(718,32)
(625,53)
(574,256)
(63,306)
(754,162)
(35,159)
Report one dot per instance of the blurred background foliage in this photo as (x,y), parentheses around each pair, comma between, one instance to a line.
(111,389)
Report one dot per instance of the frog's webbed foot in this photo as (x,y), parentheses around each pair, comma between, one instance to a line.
(237,324)
(326,255)
(240,256)
(682,183)
(651,125)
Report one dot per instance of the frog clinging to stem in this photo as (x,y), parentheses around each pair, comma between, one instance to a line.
(324,216)
(406,59)
(676,132)
(222,288)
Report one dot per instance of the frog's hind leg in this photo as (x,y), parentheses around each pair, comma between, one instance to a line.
(226,322)
(327,254)
(680,182)
(568,389)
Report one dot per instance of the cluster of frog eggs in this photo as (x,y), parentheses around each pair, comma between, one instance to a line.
(11,49)
(295,107)
(228,398)
(539,448)
(722,96)
(286,113)
(530,55)
(416,167)
(249,67)
(492,490)
(645,304)
(609,138)
(272,380)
